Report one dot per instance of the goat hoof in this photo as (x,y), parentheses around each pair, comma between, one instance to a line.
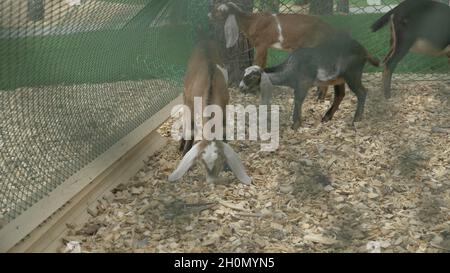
(295,126)
(226,168)
(182,143)
(321,97)
(356,119)
(326,118)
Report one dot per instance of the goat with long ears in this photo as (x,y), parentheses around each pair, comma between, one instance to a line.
(420,26)
(264,30)
(337,61)
(206,78)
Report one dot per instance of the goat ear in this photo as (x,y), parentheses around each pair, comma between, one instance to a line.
(224,72)
(231,31)
(266,88)
(186,163)
(235,164)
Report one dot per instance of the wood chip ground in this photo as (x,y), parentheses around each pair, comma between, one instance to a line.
(382,186)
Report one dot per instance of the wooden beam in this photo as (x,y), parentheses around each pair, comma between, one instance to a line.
(69,201)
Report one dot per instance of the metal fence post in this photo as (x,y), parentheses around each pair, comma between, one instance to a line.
(272,6)
(343,6)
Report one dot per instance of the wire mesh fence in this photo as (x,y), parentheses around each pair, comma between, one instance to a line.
(76,76)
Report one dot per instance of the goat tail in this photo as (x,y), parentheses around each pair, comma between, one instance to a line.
(380,23)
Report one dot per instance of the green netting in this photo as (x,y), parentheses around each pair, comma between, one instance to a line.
(97,41)
(77,76)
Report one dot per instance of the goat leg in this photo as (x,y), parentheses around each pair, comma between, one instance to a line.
(321,93)
(387,80)
(399,49)
(355,84)
(390,66)
(226,167)
(188,143)
(182,143)
(339,93)
(299,96)
(187,146)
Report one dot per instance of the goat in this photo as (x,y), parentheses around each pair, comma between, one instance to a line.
(420,26)
(264,30)
(338,60)
(206,78)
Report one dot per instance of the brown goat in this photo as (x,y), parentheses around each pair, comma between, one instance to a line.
(206,79)
(264,30)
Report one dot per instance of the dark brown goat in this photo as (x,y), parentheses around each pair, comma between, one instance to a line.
(338,60)
(420,26)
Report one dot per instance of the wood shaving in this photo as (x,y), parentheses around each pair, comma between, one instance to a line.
(328,188)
